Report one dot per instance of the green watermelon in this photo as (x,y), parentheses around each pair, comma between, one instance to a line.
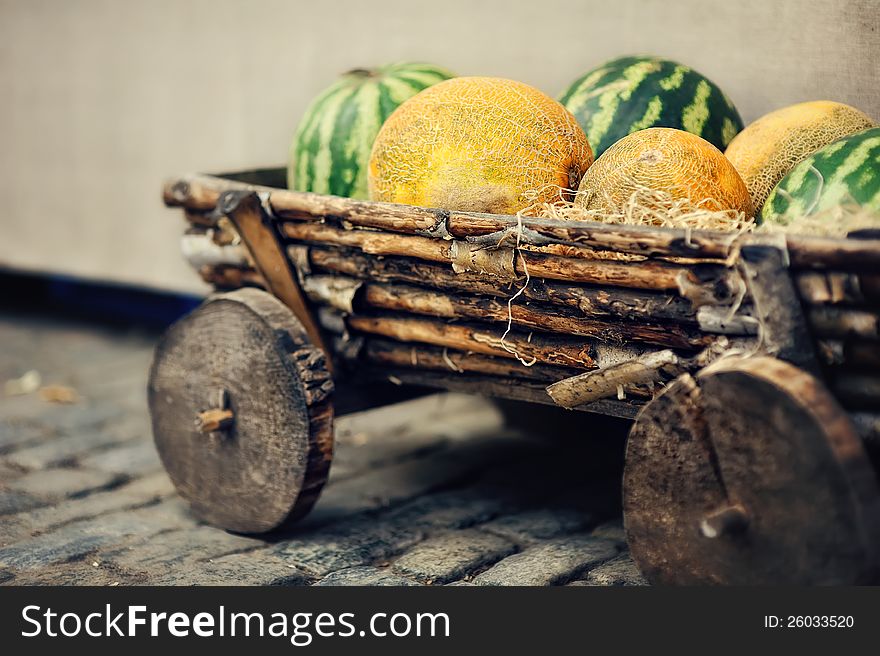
(633,93)
(846,172)
(331,149)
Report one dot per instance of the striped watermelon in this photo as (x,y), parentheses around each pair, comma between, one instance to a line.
(634,93)
(846,172)
(331,149)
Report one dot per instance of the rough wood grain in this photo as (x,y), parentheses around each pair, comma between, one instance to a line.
(648,274)
(799,473)
(495,386)
(604,383)
(784,331)
(837,322)
(591,301)
(836,254)
(245,211)
(565,352)
(532,316)
(535,231)
(268,467)
(634,239)
(200,193)
(230,277)
(848,355)
(855,390)
(391,217)
(838,287)
(421,356)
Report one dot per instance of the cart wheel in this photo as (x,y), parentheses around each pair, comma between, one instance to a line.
(240,403)
(750,473)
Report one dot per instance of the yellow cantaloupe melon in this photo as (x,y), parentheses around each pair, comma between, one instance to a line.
(766,150)
(478,144)
(674,162)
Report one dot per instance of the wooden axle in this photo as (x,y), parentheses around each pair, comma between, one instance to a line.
(724,522)
(215,419)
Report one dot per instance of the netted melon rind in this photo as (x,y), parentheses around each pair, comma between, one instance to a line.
(670,161)
(477,144)
(766,150)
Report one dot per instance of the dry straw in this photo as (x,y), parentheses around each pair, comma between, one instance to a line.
(652,207)
(645,206)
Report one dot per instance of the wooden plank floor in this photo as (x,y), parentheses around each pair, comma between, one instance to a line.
(431,491)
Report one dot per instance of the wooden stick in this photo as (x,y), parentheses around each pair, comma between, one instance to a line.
(199,218)
(270,258)
(591,301)
(634,307)
(641,240)
(533,231)
(851,354)
(868,427)
(784,330)
(371,242)
(408,298)
(201,250)
(200,192)
(648,274)
(464,337)
(856,390)
(230,277)
(215,419)
(421,356)
(594,385)
(832,321)
(390,217)
(837,254)
(838,287)
(495,386)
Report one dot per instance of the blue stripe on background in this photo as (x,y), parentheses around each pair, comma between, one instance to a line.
(92,300)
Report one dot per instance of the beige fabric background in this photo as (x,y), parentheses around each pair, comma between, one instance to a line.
(103,99)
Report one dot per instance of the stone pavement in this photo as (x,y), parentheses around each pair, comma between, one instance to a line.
(431,491)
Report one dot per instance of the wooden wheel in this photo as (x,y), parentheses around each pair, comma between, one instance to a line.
(750,473)
(240,404)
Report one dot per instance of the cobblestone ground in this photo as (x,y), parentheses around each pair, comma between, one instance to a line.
(431,491)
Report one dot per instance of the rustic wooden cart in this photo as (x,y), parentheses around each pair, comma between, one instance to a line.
(749,363)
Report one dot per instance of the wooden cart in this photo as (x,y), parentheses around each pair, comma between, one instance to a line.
(749,363)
